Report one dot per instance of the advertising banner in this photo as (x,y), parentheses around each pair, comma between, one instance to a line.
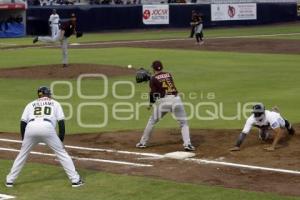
(156,14)
(226,12)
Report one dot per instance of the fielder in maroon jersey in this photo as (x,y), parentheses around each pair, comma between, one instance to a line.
(164,99)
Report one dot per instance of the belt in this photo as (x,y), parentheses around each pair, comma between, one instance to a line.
(47,120)
(54,23)
(170,95)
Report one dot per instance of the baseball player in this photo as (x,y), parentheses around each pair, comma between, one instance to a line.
(38,124)
(193,19)
(67,29)
(54,23)
(198,26)
(268,122)
(164,98)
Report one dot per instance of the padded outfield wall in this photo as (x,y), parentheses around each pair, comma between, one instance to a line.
(100,18)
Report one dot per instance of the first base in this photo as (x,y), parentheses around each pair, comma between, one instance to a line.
(179,155)
(75,44)
(5,197)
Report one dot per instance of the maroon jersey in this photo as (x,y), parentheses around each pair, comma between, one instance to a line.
(161,84)
(69,28)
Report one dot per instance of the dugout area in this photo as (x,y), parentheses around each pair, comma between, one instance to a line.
(12,19)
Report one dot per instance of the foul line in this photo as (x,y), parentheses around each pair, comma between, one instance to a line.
(95,149)
(255,36)
(198,161)
(7,44)
(253,167)
(81,159)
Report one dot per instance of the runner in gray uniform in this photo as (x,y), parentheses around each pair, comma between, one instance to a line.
(67,29)
(38,124)
(164,99)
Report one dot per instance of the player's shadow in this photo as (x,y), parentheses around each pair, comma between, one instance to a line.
(52,176)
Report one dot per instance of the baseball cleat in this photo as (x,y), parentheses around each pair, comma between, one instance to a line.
(65,65)
(189,147)
(78,184)
(9,185)
(140,145)
(35,40)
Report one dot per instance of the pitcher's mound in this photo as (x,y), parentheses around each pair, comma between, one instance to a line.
(70,72)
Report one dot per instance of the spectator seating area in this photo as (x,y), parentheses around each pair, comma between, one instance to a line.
(105,2)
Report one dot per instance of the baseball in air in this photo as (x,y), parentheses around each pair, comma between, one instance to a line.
(129,66)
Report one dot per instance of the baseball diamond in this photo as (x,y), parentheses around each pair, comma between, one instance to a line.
(224,111)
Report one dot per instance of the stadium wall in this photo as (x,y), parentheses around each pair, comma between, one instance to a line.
(100,18)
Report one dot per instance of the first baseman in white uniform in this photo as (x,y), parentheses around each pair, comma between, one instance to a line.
(267,122)
(54,23)
(38,124)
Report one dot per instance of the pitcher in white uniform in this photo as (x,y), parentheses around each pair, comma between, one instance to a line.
(38,124)
(271,126)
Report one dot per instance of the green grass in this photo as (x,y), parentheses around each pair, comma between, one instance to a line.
(232,77)
(38,181)
(179,33)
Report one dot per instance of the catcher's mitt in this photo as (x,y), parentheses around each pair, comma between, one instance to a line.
(142,75)
(79,34)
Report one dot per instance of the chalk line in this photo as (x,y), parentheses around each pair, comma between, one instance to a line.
(196,160)
(82,159)
(94,149)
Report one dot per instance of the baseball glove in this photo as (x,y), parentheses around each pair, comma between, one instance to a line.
(79,34)
(142,75)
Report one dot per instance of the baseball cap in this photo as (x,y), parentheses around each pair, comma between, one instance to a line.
(157,65)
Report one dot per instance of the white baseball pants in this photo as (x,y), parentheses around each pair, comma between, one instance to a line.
(42,131)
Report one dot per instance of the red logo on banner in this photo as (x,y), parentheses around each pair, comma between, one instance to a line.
(231,11)
(146,14)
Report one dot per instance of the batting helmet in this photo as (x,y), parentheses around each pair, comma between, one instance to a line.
(157,65)
(258,110)
(44,91)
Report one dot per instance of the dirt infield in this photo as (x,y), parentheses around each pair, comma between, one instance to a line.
(247,45)
(56,71)
(211,144)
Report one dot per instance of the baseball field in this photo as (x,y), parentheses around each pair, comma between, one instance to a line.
(106,114)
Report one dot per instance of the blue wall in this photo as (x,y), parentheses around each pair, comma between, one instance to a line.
(12,30)
(99,18)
